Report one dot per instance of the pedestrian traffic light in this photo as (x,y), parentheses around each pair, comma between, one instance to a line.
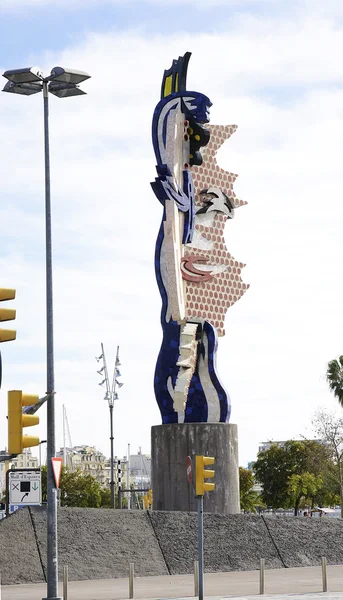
(201,474)
(17,421)
(7,314)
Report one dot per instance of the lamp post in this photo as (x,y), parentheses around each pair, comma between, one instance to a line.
(61,83)
(40,451)
(111,395)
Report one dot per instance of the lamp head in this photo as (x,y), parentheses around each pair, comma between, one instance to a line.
(26,75)
(65,90)
(67,75)
(25,89)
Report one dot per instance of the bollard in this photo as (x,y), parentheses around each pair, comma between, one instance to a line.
(324,575)
(261,575)
(131,577)
(65,582)
(196,578)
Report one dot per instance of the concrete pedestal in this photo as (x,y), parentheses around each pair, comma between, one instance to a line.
(170,446)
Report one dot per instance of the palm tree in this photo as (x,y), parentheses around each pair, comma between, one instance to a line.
(334,377)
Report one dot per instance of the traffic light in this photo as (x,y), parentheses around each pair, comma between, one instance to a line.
(17,421)
(147,499)
(201,474)
(7,314)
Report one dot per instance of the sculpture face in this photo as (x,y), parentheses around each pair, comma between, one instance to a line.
(197,277)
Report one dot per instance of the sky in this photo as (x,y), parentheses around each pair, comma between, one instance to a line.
(270,67)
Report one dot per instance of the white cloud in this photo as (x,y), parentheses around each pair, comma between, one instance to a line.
(10,5)
(280,81)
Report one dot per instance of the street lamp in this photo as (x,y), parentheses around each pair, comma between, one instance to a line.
(40,451)
(62,83)
(111,395)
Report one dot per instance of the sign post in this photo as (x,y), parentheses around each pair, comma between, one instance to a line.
(201,545)
(23,488)
(201,487)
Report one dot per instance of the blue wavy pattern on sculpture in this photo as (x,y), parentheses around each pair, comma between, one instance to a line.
(186,382)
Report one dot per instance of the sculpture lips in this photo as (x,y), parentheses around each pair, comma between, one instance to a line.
(190,271)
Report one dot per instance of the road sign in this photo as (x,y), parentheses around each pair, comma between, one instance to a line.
(24,487)
(189,469)
(57,469)
(14,507)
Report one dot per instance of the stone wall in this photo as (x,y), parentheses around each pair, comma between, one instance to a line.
(100,543)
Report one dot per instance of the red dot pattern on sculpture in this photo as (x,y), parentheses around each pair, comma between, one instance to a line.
(210,300)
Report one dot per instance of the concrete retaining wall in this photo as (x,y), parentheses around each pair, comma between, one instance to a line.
(231,543)
(95,544)
(100,543)
(19,557)
(302,542)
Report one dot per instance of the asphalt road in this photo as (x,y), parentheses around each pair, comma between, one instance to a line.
(305,580)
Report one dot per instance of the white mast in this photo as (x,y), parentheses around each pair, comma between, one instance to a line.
(66,439)
(128,477)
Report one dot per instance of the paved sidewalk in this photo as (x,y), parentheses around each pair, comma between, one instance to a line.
(279,583)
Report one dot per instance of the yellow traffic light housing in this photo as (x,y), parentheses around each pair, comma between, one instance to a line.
(201,486)
(150,498)
(17,421)
(7,314)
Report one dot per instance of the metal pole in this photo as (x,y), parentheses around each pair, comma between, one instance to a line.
(64,437)
(112,467)
(52,567)
(128,478)
(119,483)
(324,575)
(261,575)
(201,546)
(196,578)
(131,577)
(140,450)
(65,582)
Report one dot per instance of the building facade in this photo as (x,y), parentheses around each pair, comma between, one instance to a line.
(91,461)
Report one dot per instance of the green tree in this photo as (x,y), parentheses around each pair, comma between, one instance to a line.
(330,430)
(303,487)
(105,497)
(76,489)
(249,498)
(334,377)
(276,465)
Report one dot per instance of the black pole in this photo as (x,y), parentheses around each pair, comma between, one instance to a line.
(112,469)
(52,567)
(119,485)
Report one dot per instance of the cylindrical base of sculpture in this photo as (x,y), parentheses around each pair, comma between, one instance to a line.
(170,446)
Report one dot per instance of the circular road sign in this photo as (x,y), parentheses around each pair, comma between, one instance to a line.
(189,469)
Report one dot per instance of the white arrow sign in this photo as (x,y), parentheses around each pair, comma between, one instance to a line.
(57,469)
(25,487)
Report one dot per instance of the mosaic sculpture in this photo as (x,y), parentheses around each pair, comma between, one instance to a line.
(197,277)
